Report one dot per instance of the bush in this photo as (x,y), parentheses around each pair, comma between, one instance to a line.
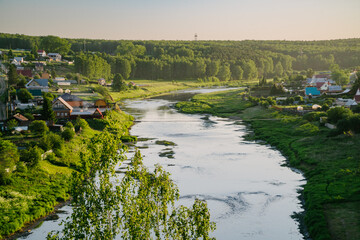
(69,125)
(337,113)
(68,134)
(38,126)
(32,156)
(314,116)
(21,167)
(308,129)
(51,141)
(351,123)
(81,123)
(29,116)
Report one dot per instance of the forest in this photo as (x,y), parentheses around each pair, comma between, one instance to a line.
(205,60)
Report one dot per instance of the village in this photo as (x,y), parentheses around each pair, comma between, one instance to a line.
(39,79)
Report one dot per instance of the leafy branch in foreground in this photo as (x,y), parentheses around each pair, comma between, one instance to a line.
(140,206)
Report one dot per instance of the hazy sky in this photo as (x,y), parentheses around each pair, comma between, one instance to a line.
(181,19)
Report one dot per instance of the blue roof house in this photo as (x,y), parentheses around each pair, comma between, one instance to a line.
(313,91)
(42,84)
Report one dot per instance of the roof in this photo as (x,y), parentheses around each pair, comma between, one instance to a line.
(357,92)
(312,91)
(26,72)
(42,82)
(319,84)
(63,102)
(54,54)
(335,88)
(41,51)
(20,117)
(70,98)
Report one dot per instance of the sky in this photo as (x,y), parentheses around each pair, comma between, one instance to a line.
(181,19)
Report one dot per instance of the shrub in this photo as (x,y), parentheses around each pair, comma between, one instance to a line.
(308,129)
(314,116)
(32,156)
(81,123)
(21,167)
(38,126)
(351,123)
(51,141)
(9,157)
(68,134)
(29,116)
(69,125)
(337,113)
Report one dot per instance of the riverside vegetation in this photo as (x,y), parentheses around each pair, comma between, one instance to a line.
(138,206)
(328,158)
(42,176)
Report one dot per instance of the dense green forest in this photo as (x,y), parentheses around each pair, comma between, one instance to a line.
(224,60)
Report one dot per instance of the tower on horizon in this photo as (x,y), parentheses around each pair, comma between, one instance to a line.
(196,36)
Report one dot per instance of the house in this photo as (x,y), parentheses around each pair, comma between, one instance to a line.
(345,102)
(335,89)
(322,86)
(42,84)
(72,100)
(41,53)
(54,56)
(101,103)
(19,59)
(312,91)
(25,72)
(61,108)
(22,120)
(39,67)
(59,79)
(357,96)
(102,81)
(90,113)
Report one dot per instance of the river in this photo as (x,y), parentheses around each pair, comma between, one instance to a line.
(250,194)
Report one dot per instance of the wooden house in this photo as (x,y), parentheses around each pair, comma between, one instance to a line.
(61,108)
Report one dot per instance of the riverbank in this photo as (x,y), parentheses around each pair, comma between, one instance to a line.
(35,192)
(330,164)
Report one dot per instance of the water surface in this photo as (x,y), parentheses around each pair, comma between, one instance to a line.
(249,193)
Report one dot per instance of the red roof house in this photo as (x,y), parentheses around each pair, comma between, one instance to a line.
(26,72)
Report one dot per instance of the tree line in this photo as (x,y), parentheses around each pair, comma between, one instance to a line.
(224,60)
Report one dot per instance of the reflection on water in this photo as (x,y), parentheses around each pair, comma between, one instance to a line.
(249,193)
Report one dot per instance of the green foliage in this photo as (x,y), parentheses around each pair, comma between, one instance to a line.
(32,156)
(53,44)
(29,116)
(308,129)
(51,141)
(9,156)
(92,66)
(47,112)
(13,77)
(68,134)
(350,123)
(119,84)
(136,208)
(314,116)
(24,95)
(11,124)
(38,126)
(337,113)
